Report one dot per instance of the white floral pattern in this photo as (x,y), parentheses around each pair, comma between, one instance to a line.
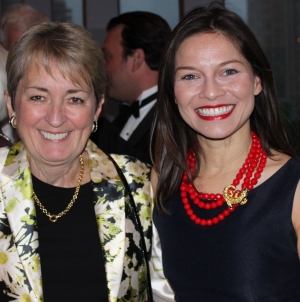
(19,259)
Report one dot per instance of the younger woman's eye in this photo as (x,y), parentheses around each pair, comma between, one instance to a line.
(37,98)
(230,71)
(189,77)
(76,100)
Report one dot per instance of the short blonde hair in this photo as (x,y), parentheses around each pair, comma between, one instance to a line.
(77,55)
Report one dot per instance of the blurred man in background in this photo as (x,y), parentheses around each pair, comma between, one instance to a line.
(132,50)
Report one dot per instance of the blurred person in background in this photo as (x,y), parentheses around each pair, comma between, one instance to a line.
(132,50)
(4,139)
(16,19)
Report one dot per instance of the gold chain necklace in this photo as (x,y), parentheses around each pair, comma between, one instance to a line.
(53,217)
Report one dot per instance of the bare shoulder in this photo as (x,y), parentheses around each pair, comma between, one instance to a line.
(154,179)
(274,163)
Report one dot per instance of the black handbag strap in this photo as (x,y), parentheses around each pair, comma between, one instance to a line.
(139,225)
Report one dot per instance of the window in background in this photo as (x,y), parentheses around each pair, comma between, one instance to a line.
(276,24)
(71,11)
(168,9)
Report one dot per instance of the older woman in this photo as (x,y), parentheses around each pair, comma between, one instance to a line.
(68,231)
(227,212)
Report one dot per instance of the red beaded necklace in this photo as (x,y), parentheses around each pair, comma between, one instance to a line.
(256,160)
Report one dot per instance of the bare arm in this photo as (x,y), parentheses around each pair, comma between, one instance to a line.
(162,291)
(296,215)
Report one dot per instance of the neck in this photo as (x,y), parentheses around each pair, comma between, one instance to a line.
(225,152)
(58,174)
(224,156)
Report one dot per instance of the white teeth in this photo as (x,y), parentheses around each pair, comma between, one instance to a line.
(54,137)
(215,111)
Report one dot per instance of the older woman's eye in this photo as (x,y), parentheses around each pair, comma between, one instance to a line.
(189,77)
(230,72)
(37,98)
(76,101)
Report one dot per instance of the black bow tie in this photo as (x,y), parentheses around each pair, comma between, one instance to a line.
(134,108)
(125,111)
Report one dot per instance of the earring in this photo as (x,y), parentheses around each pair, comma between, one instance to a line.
(95,126)
(12,122)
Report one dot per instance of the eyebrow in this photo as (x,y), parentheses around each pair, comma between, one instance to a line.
(221,64)
(69,91)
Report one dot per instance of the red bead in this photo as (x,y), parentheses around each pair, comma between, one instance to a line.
(208,222)
(235,182)
(218,196)
(206,196)
(221,217)
(212,196)
(190,190)
(201,204)
(196,200)
(239,176)
(203,222)
(213,205)
(249,174)
(198,220)
(185,200)
(251,169)
(254,181)
(187,206)
(257,175)
(250,187)
(190,212)
(215,220)
(226,212)
(246,180)
(182,187)
(193,217)
(219,202)
(207,206)
(242,170)
(193,195)
(183,194)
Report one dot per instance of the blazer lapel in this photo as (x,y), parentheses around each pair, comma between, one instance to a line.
(17,197)
(109,209)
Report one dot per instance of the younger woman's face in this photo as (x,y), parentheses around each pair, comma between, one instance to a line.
(214,85)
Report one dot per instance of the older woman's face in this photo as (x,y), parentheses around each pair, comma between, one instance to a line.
(54,116)
(214,85)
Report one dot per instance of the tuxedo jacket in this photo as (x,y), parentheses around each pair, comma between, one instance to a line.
(20,267)
(140,137)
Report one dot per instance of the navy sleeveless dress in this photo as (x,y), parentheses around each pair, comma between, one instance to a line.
(250,256)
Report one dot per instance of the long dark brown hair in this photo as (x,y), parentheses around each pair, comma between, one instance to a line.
(173,137)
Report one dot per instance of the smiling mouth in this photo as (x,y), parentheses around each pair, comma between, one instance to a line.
(214,112)
(54,137)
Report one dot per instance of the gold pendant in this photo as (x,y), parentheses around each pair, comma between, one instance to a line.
(53,218)
(233,196)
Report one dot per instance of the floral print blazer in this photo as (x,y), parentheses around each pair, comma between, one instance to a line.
(20,267)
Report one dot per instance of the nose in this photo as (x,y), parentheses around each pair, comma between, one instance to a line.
(211,89)
(56,115)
